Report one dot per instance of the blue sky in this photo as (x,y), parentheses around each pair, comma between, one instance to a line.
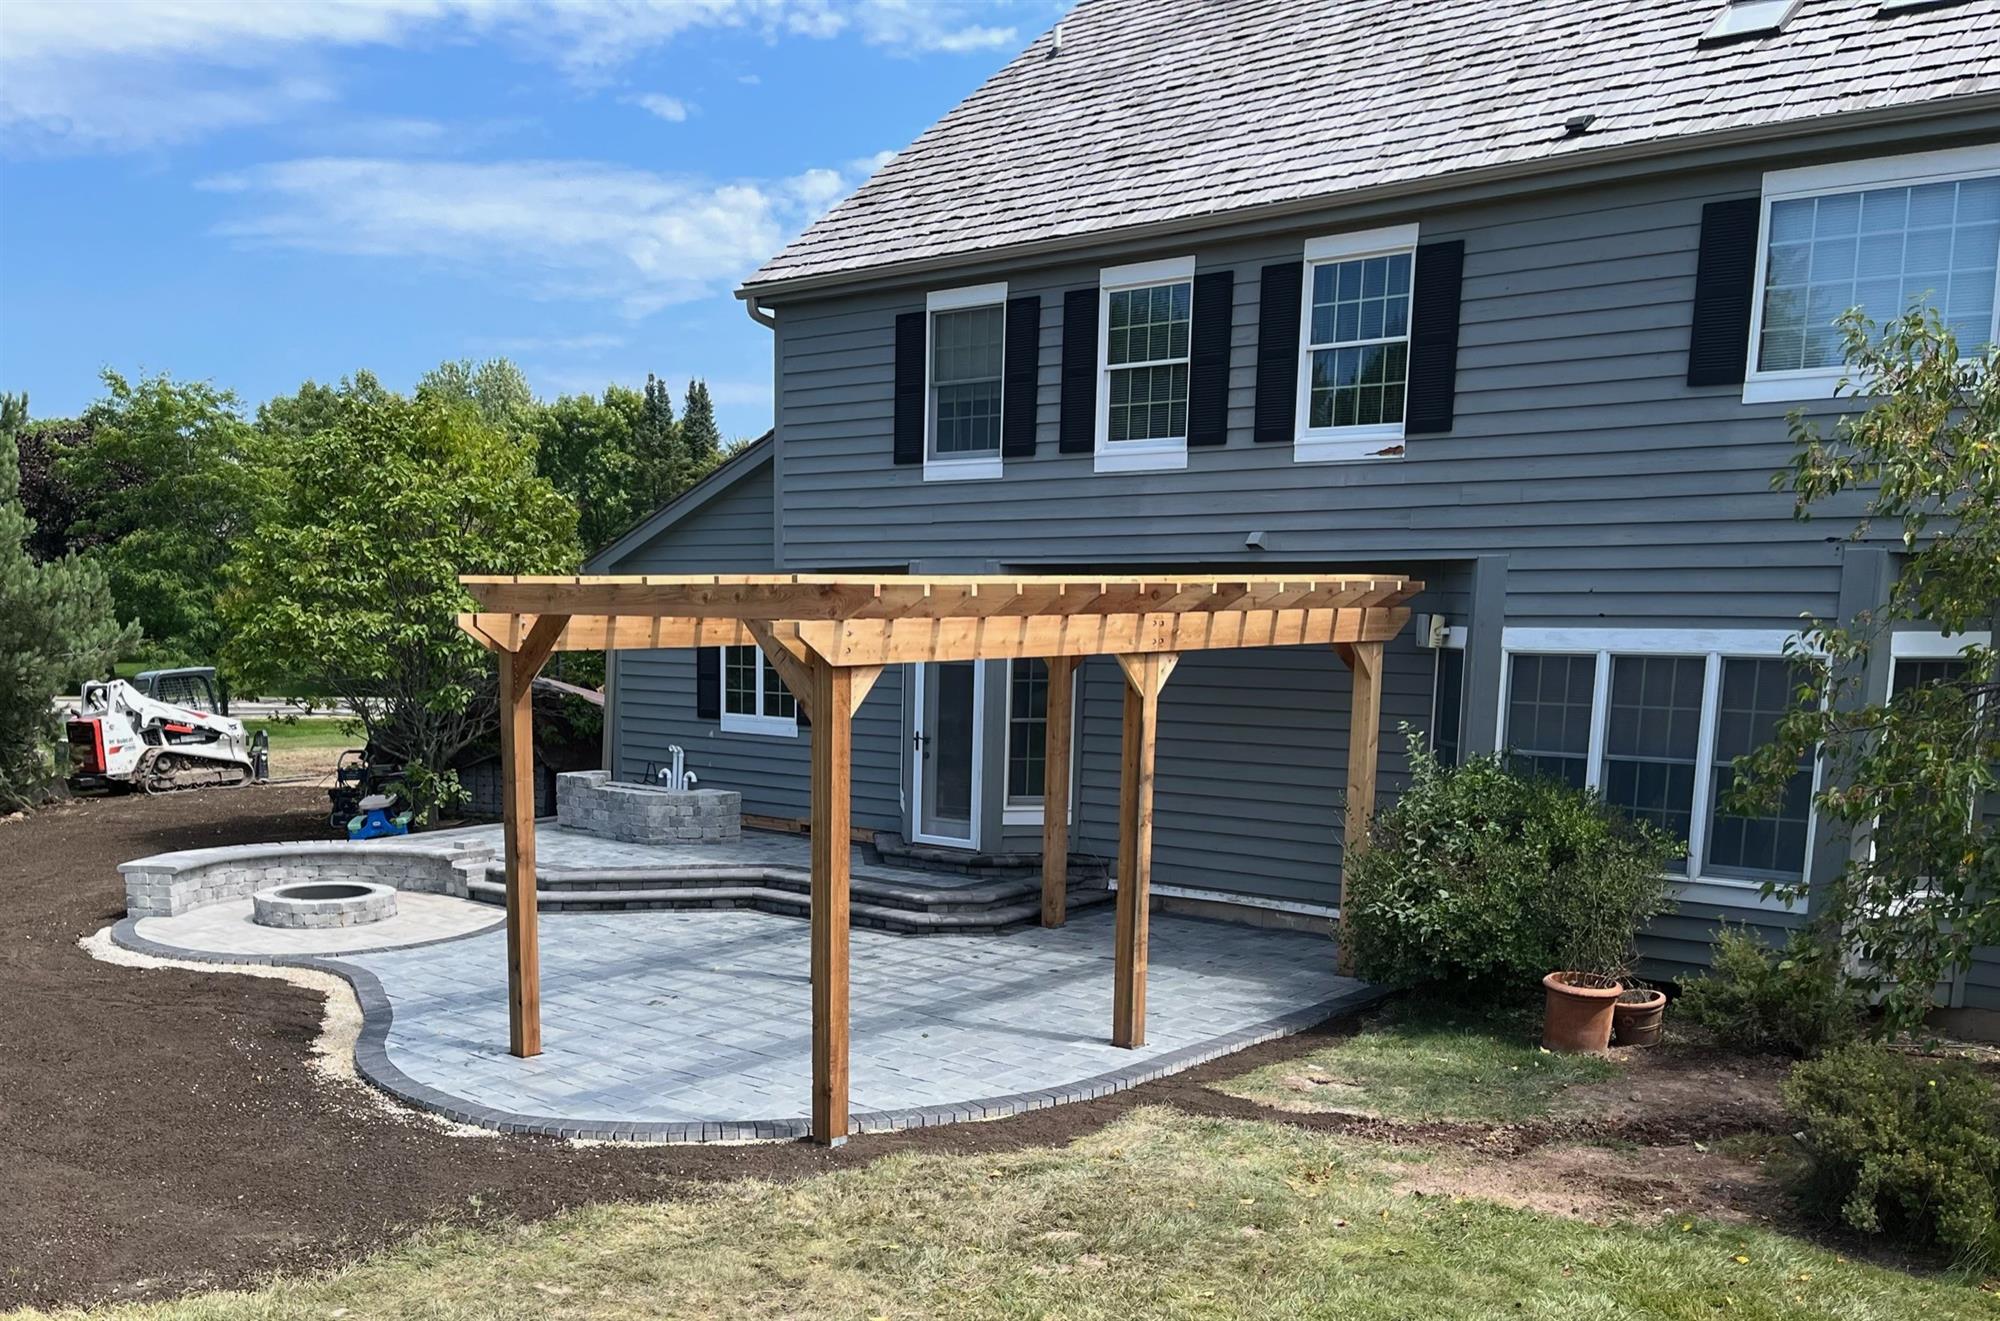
(262,193)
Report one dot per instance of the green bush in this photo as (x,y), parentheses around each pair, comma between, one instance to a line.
(1794,1002)
(1481,875)
(1901,1145)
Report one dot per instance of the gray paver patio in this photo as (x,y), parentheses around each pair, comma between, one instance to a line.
(703,1017)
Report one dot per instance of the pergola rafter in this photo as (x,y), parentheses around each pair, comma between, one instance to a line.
(829,637)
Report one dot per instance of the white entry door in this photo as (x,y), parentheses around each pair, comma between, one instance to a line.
(946,753)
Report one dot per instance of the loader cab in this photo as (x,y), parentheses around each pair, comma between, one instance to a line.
(192,689)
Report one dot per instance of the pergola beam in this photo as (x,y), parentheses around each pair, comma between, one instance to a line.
(1145,676)
(1364,750)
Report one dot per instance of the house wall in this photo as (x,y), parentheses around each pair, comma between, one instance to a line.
(1614,494)
(1607,492)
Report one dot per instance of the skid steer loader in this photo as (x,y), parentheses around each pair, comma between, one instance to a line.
(126,735)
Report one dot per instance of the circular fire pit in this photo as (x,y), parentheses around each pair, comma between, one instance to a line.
(323,904)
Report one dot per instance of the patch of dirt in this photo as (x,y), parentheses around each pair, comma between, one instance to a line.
(1678,1093)
(1602,1184)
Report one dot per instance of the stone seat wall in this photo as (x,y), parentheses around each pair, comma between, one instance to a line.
(169,884)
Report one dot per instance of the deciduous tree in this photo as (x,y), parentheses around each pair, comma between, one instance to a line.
(1909,781)
(349,584)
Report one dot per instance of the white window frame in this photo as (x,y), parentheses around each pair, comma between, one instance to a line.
(1372,441)
(1026,811)
(1713,647)
(760,724)
(960,468)
(1810,383)
(1166,454)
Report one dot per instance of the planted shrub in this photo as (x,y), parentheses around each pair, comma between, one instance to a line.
(1796,1001)
(1482,875)
(1901,1145)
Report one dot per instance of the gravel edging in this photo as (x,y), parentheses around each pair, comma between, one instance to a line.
(372,1063)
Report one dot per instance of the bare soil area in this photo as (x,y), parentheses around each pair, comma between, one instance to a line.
(164,1130)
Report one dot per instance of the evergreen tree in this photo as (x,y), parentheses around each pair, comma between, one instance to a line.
(56,626)
(700,439)
(661,470)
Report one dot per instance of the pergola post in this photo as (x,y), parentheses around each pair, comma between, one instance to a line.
(1055,790)
(1364,747)
(831,706)
(517,827)
(1145,676)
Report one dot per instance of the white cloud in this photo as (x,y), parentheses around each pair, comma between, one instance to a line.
(670,108)
(584,231)
(104,75)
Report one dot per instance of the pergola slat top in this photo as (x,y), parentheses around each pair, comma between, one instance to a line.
(812,598)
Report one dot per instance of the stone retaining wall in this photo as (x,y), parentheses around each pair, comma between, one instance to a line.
(591,801)
(169,884)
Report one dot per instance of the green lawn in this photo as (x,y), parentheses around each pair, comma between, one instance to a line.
(310,732)
(1159,1215)
(1423,1060)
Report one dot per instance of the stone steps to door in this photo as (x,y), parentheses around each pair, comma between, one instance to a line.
(876,902)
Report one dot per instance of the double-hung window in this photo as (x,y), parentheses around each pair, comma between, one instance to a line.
(1654,721)
(1027,740)
(1145,321)
(1354,336)
(754,699)
(1881,235)
(964,354)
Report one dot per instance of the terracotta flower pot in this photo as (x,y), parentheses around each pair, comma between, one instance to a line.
(1637,1015)
(1577,1014)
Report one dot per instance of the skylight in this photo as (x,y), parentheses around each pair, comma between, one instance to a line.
(1750,18)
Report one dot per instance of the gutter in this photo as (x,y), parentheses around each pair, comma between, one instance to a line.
(1219,224)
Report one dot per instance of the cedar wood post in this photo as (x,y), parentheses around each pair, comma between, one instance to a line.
(1144,677)
(1055,791)
(1364,743)
(831,707)
(517,828)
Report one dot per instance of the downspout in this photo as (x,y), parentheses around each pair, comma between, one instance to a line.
(768,320)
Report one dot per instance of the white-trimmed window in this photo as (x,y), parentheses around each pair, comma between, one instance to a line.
(1653,720)
(754,699)
(1354,344)
(1880,235)
(1027,741)
(1145,324)
(964,358)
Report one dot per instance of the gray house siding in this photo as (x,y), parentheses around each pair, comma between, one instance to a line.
(1618,495)
(1583,476)
(653,693)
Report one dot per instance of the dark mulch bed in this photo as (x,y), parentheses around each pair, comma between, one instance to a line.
(163,1131)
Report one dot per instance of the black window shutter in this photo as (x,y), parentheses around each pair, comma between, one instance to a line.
(1719,342)
(1208,358)
(707,683)
(1434,293)
(1277,352)
(1018,383)
(910,330)
(1076,432)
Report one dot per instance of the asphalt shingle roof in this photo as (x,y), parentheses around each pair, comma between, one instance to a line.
(1159,111)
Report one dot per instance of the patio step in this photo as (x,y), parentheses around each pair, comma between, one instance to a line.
(876,902)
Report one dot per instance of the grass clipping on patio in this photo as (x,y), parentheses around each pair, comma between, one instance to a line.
(1160,1214)
(1423,1061)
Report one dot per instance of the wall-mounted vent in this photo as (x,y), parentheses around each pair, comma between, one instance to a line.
(1749,18)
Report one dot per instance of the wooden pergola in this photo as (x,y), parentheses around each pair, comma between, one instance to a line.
(829,637)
